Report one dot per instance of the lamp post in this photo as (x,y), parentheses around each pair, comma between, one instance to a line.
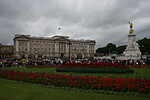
(69,49)
(0,51)
(141,47)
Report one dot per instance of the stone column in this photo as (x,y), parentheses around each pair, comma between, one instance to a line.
(28,49)
(28,46)
(17,46)
(66,49)
(131,40)
(16,49)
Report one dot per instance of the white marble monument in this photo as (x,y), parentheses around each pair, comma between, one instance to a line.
(132,50)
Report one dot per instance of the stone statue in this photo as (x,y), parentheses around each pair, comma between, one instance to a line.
(132,50)
(131,28)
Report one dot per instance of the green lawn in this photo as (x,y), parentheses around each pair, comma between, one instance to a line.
(139,72)
(13,90)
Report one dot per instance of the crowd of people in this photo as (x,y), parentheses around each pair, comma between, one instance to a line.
(55,61)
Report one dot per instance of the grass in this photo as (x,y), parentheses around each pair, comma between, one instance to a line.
(13,90)
(138,72)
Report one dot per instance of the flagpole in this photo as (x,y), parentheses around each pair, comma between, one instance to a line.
(59,30)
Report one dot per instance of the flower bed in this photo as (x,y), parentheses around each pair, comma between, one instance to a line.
(116,70)
(81,82)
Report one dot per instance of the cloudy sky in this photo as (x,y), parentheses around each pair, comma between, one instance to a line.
(105,21)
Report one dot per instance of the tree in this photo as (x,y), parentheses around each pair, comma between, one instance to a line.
(120,49)
(144,45)
(111,48)
(102,50)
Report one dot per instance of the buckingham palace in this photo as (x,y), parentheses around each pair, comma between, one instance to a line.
(26,46)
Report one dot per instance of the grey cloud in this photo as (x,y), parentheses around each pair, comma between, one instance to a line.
(101,20)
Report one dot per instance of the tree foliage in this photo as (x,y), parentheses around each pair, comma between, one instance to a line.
(144,45)
(110,48)
(120,49)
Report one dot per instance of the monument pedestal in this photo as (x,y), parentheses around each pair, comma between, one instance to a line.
(132,50)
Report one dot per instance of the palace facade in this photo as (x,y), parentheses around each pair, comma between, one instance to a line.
(6,51)
(26,46)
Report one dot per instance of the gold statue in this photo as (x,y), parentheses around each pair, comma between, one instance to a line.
(131,28)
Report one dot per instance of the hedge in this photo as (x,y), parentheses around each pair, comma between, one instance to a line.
(117,70)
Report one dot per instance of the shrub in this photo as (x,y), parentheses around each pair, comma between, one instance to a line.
(117,70)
